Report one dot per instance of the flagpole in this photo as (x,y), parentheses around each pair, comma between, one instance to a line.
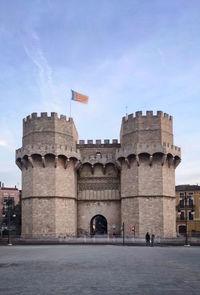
(70,107)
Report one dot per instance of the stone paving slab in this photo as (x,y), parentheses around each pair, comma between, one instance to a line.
(110,269)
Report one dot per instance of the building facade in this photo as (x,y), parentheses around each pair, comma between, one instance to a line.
(8,193)
(72,187)
(191,209)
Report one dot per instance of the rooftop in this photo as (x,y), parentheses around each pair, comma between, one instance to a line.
(187,187)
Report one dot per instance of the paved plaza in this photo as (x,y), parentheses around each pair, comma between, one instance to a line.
(110,269)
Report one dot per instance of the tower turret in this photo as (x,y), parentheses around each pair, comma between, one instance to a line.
(47,160)
(148,160)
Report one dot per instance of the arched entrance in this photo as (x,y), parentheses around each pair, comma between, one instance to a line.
(182,229)
(98,225)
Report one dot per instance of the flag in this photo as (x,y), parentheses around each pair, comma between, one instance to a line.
(79,97)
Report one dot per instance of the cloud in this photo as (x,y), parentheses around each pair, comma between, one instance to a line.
(3,143)
(32,47)
(6,145)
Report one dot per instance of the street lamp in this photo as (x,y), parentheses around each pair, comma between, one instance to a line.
(186,206)
(122,229)
(8,207)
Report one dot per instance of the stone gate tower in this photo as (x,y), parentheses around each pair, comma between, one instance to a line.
(49,180)
(74,188)
(148,160)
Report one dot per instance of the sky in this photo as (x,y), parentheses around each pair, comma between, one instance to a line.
(136,53)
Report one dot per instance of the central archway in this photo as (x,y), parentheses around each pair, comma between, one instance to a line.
(98,225)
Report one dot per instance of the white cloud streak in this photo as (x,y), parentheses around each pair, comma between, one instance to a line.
(35,53)
(6,145)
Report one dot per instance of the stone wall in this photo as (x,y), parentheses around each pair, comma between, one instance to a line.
(27,218)
(169,217)
(66,217)
(150,177)
(130,215)
(129,179)
(151,216)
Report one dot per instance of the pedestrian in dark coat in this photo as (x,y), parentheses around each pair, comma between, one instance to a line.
(147,237)
(152,240)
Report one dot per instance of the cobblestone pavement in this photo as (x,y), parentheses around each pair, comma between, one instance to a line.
(76,269)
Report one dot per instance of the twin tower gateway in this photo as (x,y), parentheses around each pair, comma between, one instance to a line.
(78,188)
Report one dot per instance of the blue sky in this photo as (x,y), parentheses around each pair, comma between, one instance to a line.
(140,53)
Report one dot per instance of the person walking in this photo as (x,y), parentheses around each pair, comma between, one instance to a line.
(147,237)
(152,240)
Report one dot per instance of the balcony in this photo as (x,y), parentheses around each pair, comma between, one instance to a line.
(182,206)
(184,219)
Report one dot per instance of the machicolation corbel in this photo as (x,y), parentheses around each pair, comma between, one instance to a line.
(137,160)
(164,159)
(150,160)
(30,161)
(127,162)
(43,162)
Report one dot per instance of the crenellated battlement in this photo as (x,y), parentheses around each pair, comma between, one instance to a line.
(46,129)
(147,128)
(44,115)
(149,114)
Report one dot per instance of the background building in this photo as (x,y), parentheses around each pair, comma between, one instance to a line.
(10,204)
(192,209)
(8,192)
(72,187)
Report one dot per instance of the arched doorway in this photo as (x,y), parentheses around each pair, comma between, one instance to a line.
(98,225)
(182,229)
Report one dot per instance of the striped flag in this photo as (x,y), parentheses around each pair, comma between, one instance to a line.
(79,97)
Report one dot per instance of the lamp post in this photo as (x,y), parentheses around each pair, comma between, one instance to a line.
(186,219)
(7,213)
(122,228)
